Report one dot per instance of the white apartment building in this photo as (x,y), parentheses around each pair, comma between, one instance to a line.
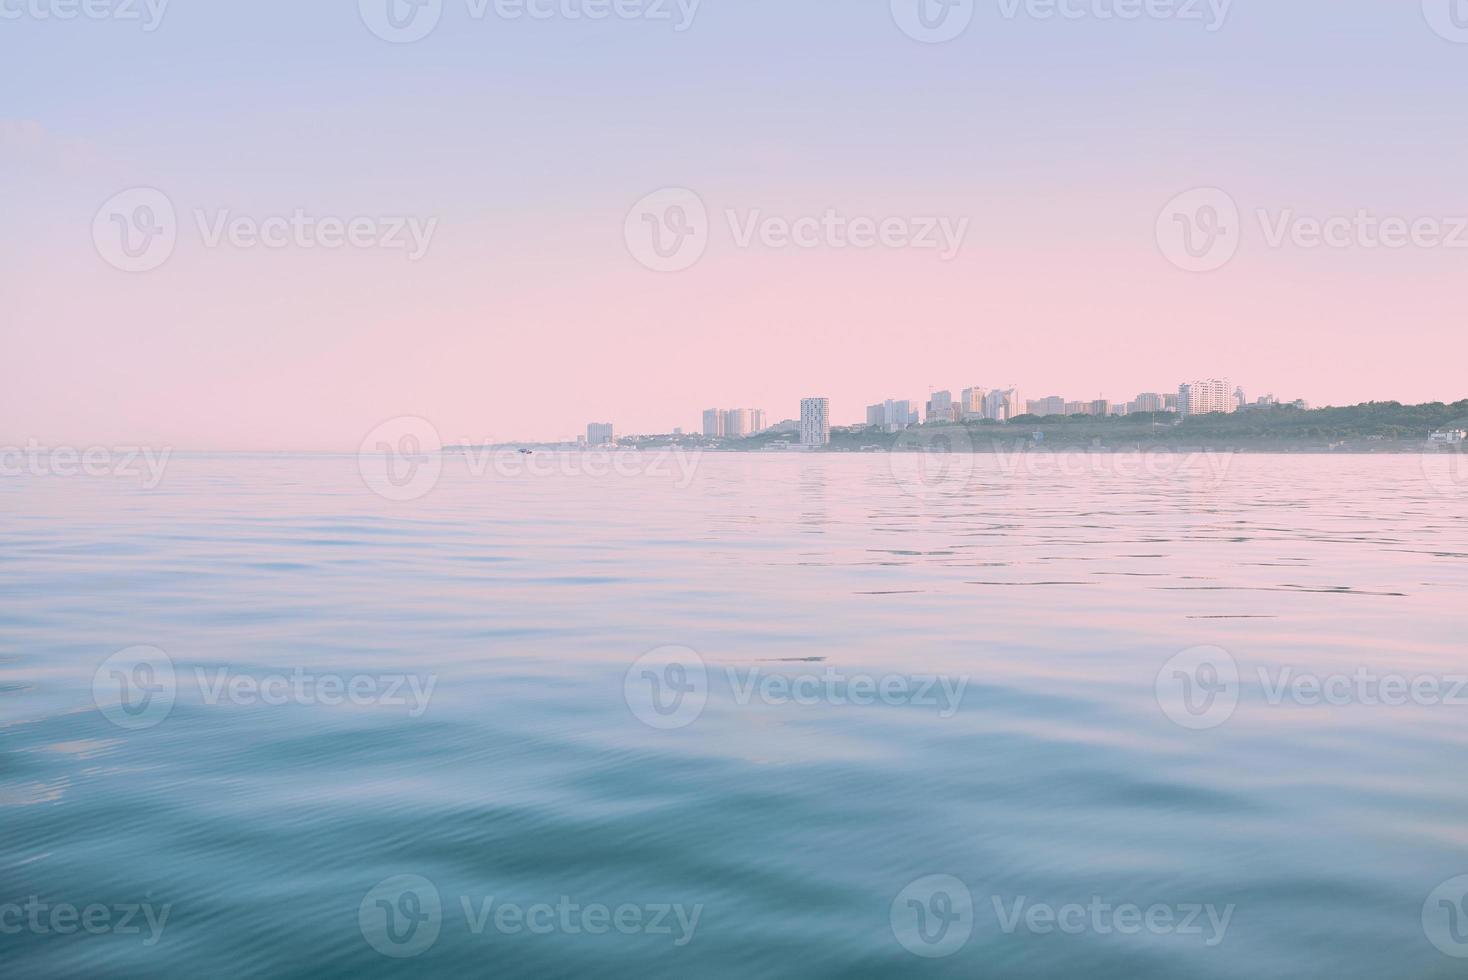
(1206,397)
(815,421)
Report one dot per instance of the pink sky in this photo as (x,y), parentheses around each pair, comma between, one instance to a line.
(529,316)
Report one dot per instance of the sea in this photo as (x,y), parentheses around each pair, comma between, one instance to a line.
(646,715)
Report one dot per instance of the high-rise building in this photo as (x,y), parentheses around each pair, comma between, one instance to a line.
(1003,404)
(1077,408)
(733,423)
(1101,407)
(736,423)
(1169,403)
(1054,405)
(1240,399)
(892,416)
(599,434)
(1205,397)
(940,407)
(971,403)
(1148,401)
(815,421)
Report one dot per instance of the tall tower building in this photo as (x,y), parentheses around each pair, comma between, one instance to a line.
(972,402)
(815,421)
(1001,405)
(940,407)
(713,423)
(736,423)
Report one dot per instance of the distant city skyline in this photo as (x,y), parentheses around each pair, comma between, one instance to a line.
(1193,397)
(716,423)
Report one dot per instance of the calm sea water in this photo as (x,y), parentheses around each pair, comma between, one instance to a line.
(544,803)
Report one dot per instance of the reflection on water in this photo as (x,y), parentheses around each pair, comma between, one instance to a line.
(915,723)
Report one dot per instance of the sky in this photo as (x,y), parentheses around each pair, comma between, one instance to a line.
(210,209)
